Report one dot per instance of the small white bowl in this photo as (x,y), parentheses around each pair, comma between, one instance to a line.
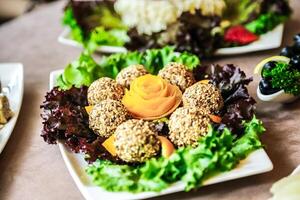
(279,97)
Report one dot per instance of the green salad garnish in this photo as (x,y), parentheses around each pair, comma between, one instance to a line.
(265,23)
(217,152)
(110,31)
(69,20)
(283,76)
(240,11)
(85,70)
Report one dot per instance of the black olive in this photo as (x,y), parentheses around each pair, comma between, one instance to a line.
(295,62)
(268,66)
(287,51)
(266,88)
(296,48)
(297,38)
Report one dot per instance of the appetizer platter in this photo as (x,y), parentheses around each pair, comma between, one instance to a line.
(142,124)
(280,75)
(202,27)
(11,95)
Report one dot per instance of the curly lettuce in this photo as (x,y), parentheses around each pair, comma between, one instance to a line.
(69,20)
(241,11)
(85,70)
(216,152)
(109,30)
(265,22)
(101,37)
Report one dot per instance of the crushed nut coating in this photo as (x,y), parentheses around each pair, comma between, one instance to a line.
(106,116)
(136,141)
(104,88)
(205,96)
(187,125)
(177,74)
(128,74)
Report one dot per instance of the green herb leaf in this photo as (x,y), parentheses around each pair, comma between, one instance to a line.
(265,23)
(85,70)
(216,152)
(284,77)
(82,71)
(68,20)
(109,30)
(101,37)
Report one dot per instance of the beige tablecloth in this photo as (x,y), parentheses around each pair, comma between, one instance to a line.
(31,169)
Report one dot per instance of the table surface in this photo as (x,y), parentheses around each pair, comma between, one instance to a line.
(31,169)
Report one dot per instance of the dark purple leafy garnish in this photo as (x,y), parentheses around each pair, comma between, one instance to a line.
(64,118)
(88,13)
(280,7)
(162,128)
(227,78)
(238,104)
(196,38)
(192,36)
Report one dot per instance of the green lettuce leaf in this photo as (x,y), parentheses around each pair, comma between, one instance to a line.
(265,23)
(82,71)
(216,152)
(69,20)
(110,30)
(240,11)
(85,70)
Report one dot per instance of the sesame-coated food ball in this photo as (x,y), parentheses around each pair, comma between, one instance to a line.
(187,125)
(104,88)
(177,74)
(202,95)
(136,141)
(130,73)
(106,116)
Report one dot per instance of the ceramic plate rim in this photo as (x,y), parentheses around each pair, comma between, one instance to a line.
(86,190)
(12,122)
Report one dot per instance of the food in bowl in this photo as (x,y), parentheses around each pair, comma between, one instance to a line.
(280,75)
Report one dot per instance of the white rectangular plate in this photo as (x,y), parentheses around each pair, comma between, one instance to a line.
(270,40)
(256,163)
(11,76)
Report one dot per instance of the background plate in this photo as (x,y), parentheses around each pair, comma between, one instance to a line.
(257,162)
(11,75)
(270,40)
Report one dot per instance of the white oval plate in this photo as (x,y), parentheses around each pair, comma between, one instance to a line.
(11,76)
(270,40)
(257,162)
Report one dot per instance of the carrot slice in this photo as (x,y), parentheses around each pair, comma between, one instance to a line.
(109,145)
(167,148)
(205,81)
(88,109)
(215,118)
